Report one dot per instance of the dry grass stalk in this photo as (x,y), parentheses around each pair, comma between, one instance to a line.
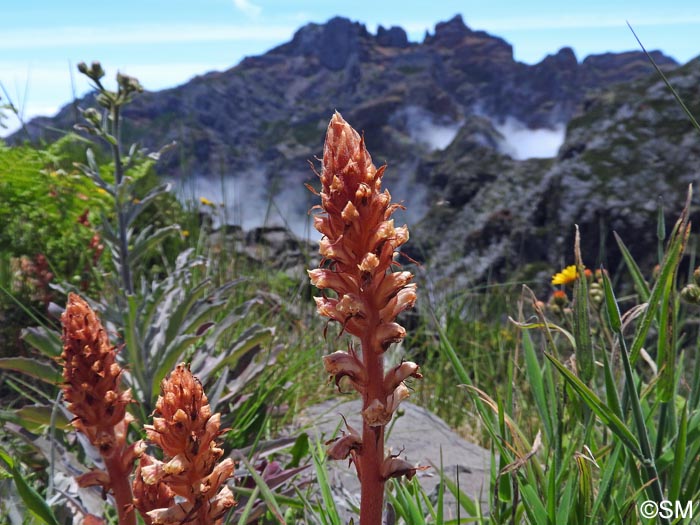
(358,247)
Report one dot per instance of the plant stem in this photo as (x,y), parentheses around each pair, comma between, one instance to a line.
(648,463)
(121,216)
(372,455)
(121,487)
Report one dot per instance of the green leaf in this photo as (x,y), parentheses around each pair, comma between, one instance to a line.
(610,472)
(329,507)
(611,306)
(606,415)
(465,502)
(40,370)
(679,457)
(534,376)
(267,494)
(148,240)
(299,450)
(47,341)
(610,388)
(135,209)
(33,417)
(533,505)
(666,274)
(640,283)
(34,502)
(582,325)
(566,502)
(678,98)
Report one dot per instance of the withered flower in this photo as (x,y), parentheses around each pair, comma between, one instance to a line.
(186,431)
(92,389)
(358,247)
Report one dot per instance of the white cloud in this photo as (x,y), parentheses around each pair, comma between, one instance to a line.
(521,142)
(248,7)
(31,38)
(416,29)
(578,21)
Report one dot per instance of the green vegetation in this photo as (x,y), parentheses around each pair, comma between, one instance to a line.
(589,400)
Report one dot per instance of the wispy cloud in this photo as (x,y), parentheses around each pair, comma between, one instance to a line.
(579,21)
(416,29)
(142,34)
(248,7)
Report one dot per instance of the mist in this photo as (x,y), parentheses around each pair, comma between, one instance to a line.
(521,142)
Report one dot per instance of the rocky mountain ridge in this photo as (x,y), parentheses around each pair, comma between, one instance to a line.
(631,151)
(431,110)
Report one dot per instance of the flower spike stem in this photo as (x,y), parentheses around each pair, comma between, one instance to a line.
(358,246)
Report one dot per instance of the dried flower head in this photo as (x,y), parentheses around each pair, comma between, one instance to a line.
(186,431)
(92,378)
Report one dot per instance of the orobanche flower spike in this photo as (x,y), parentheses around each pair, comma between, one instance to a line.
(358,247)
(92,389)
(186,430)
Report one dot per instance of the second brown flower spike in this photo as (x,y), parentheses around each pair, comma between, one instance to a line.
(358,264)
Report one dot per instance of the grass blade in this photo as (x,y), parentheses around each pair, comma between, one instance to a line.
(606,415)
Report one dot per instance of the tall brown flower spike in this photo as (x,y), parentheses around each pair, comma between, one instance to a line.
(186,431)
(358,246)
(92,389)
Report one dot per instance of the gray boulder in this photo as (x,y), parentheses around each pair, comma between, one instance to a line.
(418,436)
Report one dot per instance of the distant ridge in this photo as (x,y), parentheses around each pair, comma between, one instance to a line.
(431,110)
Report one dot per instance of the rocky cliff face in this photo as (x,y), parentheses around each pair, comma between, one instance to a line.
(628,148)
(430,110)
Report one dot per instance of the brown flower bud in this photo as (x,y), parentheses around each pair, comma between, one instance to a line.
(342,364)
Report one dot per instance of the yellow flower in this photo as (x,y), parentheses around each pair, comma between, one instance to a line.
(566,276)
(185,233)
(206,201)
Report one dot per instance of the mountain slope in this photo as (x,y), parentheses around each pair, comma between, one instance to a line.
(260,121)
(632,146)
(431,110)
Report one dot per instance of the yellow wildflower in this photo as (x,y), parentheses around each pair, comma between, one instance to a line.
(206,201)
(566,276)
(185,233)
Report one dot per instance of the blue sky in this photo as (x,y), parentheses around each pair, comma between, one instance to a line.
(166,43)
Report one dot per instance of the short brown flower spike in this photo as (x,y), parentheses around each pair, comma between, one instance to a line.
(92,389)
(186,431)
(358,247)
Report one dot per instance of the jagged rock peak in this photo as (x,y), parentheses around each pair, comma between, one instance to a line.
(565,55)
(449,33)
(333,42)
(563,60)
(455,34)
(392,37)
